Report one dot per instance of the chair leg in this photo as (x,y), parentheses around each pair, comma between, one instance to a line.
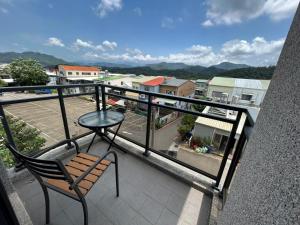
(85,211)
(117,175)
(47,203)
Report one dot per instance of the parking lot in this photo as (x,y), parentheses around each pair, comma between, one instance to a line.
(46,116)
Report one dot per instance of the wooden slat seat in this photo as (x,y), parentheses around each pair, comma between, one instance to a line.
(74,179)
(76,167)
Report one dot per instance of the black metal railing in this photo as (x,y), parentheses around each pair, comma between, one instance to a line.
(101,89)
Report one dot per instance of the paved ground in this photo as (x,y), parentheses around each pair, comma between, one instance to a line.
(147,197)
(46,116)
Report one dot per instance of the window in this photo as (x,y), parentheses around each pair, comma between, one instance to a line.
(147,88)
(86,73)
(246,97)
(217,94)
(94,73)
(108,83)
(69,73)
(77,73)
(170,92)
(122,83)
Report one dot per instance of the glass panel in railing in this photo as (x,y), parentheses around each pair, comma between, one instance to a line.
(76,107)
(135,123)
(195,140)
(34,125)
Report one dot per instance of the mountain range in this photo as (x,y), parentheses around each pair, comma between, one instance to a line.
(179,70)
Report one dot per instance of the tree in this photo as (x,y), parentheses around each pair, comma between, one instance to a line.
(27,139)
(187,124)
(27,72)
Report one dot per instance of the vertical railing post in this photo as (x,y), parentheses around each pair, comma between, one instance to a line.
(8,133)
(230,143)
(149,112)
(235,159)
(6,128)
(64,115)
(97,98)
(103,97)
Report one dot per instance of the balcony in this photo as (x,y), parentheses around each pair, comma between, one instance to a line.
(147,196)
(158,183)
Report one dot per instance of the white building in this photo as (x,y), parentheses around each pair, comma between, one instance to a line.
(77,75)
(249,92)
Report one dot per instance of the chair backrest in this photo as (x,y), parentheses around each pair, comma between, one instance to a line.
(52,169)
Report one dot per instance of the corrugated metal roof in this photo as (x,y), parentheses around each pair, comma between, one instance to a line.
(214,123)
(217,124)
(241,83)
(174,82)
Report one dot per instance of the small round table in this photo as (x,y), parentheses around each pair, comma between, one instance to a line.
(98,120)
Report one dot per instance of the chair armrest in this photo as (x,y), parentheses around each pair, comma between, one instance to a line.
(65,142)
(87,172)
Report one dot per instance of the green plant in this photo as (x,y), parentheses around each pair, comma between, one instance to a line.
(158,124)
(28,72)
(27,139)
(187,123)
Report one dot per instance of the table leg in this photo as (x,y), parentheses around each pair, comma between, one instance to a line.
(91,142)
(113,139)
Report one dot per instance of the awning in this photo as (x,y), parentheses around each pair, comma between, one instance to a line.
(165,100)
(132,95)
(83,78)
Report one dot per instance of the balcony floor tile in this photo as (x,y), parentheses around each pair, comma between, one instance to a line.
(147,197)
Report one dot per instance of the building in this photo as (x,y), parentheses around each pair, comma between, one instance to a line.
(201,87)
(215,131)
(52,75)
(178,87)
(249,92)
(4,76)
(77,75)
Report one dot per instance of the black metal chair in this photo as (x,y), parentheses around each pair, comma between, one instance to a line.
(74,179)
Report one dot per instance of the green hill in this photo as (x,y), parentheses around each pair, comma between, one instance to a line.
(44,59)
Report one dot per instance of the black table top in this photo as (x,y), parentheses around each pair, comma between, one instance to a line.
(100,119)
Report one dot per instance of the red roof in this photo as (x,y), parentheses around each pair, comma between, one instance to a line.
(81,68)
(155,81)
(111,102)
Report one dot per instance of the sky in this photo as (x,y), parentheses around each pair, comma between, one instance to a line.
(194,32)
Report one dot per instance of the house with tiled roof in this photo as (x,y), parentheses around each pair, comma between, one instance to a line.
(69,74)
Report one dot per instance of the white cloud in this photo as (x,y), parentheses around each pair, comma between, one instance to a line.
(167,22)
(207,23)
(3,10)
(234,11)
(138,11)
(4,5)
(53,41)
(106,45)
(280,9)
(257,52)
(106,6)
(110,45)
(82,44)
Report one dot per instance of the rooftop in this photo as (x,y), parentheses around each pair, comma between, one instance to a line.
(154,82)
(241,83)
(148,196)
(174,82)
(80,68)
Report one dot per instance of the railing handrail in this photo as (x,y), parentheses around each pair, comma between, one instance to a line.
(235,122)
(159,95)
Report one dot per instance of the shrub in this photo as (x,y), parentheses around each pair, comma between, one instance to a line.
(27,139)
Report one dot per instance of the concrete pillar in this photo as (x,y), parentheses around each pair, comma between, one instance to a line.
(266,188)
